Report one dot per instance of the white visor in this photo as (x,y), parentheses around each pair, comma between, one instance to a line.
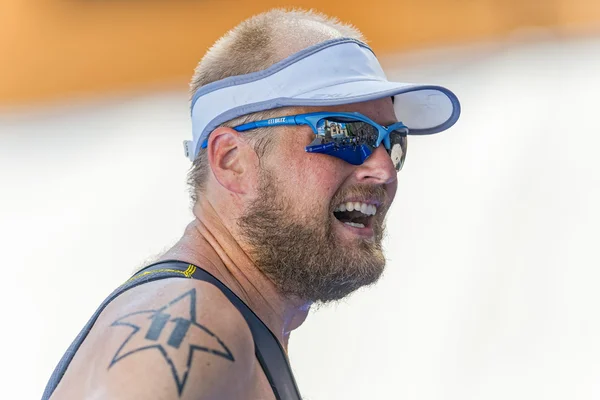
(335,72)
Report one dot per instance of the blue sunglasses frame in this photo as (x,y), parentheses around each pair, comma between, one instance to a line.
(353,156)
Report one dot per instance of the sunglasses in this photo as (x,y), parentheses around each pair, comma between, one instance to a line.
(351,137)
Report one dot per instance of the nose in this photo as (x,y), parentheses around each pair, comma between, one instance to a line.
(377,168)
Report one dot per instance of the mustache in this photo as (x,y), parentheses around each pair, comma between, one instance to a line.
(375,193)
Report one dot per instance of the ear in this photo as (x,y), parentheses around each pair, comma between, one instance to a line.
(231,159)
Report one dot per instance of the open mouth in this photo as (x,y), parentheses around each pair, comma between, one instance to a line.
(355,214)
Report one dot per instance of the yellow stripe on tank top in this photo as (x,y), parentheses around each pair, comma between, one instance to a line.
(187,273)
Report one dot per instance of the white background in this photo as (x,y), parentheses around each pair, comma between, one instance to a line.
(491,290)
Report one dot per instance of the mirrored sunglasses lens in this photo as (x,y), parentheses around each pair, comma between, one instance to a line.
(397,151)
(344,132)
(351,140)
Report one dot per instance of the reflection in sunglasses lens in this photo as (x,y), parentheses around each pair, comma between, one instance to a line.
(343,132)
(397,156)
(398,144)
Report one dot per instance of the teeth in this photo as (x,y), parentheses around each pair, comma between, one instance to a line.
(354,224)
(367,209)
(363,208)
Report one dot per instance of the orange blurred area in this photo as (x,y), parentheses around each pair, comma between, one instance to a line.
(55,49)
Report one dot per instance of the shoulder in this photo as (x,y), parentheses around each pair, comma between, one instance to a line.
(181,338)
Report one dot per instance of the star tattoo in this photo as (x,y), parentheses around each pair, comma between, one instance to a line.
(174,332)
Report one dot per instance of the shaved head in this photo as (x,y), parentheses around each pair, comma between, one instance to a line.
(261,41)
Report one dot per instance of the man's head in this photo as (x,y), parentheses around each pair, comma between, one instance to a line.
(288,208)
(255,45)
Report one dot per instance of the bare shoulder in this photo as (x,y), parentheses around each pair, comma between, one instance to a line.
(168,339)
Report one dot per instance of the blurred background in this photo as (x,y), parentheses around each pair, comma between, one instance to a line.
(491,290)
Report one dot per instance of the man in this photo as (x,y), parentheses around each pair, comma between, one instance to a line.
(285,216)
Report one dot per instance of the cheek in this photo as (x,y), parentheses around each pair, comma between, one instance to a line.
(309,178)
(392,190)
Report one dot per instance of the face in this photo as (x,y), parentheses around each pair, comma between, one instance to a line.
(299,235)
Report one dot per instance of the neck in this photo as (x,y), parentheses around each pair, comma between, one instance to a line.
(208,244)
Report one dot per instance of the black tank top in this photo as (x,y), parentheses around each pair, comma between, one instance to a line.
(268,350)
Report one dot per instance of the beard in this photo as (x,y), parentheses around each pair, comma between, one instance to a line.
(303,256)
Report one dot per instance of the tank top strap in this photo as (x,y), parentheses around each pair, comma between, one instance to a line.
(269,352)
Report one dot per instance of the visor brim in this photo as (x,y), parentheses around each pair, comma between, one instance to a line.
(424,109)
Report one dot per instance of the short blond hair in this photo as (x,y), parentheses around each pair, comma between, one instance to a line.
(254,45)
